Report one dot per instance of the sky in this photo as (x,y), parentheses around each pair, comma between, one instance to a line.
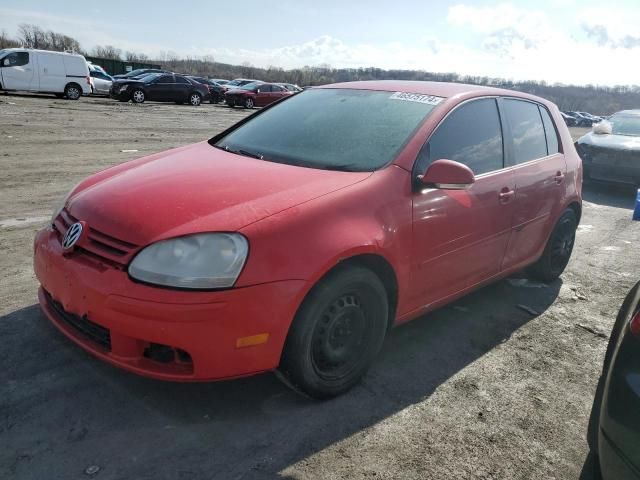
(568,41)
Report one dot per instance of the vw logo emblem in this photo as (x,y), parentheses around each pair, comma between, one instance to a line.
(72,236)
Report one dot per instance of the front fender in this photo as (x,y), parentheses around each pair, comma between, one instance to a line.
(306,241)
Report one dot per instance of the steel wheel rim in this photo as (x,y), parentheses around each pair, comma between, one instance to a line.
(138,96)
(249,103)
(340,339)
(562,246)
(195,100)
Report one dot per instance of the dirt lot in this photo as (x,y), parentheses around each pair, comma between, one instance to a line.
(479,389)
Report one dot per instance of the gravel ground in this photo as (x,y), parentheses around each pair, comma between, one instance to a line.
(480,389)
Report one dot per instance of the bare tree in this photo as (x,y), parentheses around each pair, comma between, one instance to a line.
(6,41)
(135,57)
(32,36)
(107,51)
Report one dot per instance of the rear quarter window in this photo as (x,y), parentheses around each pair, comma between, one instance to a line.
(527,131)
(550,131)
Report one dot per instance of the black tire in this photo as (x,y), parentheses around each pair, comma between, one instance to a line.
(195,99)
(230,103)
(249,103)
(72,91)
(558,250)
(624,316)
(337,332)
(138,96)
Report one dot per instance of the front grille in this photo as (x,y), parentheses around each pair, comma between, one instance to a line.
(98,244)
(82,325)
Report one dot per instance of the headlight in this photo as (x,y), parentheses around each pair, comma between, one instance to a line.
(203,260)
(123,88)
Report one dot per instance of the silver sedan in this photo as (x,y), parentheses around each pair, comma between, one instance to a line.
(100,83)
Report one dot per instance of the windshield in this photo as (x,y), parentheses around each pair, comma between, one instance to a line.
(335,129)
(625,125)
(135,73)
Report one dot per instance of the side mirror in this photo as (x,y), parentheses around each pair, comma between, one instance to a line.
(6,62)
(258,90)
(448,175)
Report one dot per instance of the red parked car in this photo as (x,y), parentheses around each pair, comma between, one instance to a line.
(256,94)
(295,239)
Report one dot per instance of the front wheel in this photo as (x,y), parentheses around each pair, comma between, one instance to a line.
(337,333)
(195,99)
(558,251)
(137,96)
(249,103)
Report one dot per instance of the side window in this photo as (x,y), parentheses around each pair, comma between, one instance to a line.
(471,135)
(16,59)
(166,79)
(550,131)
(181,80)
(264,88)
(529,141)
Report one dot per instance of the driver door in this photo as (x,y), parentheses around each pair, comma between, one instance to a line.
(18,71)
(460,236)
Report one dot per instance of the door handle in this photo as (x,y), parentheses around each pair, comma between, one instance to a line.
(558,178)
(506,194)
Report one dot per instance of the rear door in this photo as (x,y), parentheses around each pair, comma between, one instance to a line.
(539,168)
(460,236)
(263,95)
(181,89)
(18,71)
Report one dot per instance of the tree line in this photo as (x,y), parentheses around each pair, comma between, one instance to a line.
(592,98)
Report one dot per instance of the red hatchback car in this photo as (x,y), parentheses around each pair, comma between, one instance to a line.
(296,238)
(256,94)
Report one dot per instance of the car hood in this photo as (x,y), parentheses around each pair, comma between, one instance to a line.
(616,142)
(195,189)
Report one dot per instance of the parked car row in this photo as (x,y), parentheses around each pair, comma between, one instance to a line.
(580,119)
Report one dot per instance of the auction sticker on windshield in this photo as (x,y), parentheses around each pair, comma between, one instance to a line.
(415,97)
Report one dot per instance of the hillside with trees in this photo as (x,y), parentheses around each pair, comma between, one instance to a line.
(590,98)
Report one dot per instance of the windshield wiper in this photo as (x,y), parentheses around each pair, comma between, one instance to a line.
(245,153)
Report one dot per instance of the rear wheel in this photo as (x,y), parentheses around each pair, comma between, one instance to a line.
(195,99)
(73,91)
(137,96)
(337,333)
(249,103)
(557,253)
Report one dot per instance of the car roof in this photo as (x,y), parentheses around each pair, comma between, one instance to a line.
(438,89)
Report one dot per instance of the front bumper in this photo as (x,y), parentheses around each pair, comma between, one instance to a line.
(117,95)
(611,165)
(158,332)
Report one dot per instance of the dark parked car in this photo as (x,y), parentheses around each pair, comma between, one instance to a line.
(570,120)
(139,73)
(611,151)
(159,87)
(256,94)
(216,92)
(584,119)
(219,81)
(614,427)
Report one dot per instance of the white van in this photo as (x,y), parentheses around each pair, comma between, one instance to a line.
(63,74)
